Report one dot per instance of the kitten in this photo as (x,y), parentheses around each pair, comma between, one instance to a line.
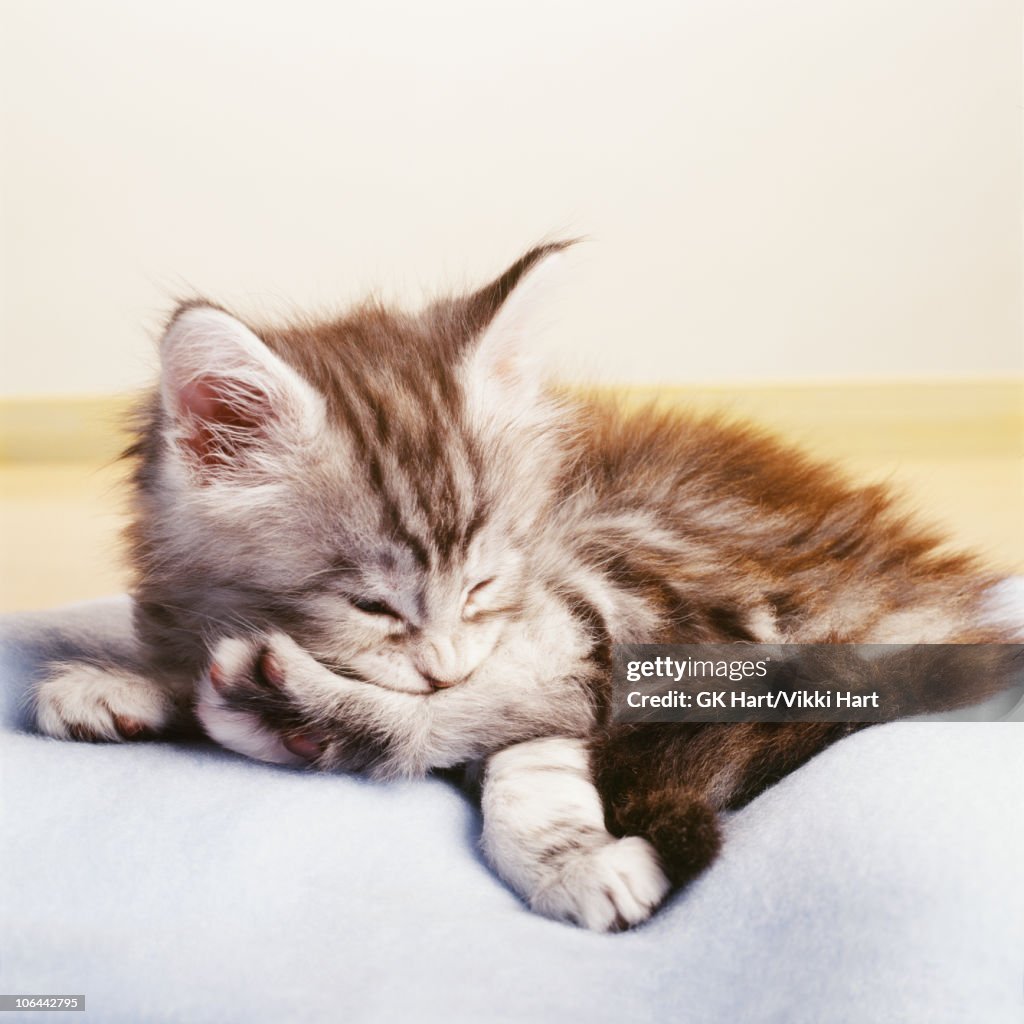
(382,544)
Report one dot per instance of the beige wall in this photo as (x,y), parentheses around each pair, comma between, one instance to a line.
(773,190)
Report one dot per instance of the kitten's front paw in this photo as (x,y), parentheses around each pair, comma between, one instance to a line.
(84,702)
(237,695)
(610,887)
(249,700)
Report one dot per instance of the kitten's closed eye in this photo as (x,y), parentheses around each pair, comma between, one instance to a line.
(478,589)
(370,606)
(475,596)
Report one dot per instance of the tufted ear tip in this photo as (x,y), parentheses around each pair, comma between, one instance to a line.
(538,264)
(505,368)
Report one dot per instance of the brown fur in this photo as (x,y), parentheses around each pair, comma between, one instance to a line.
(698,529)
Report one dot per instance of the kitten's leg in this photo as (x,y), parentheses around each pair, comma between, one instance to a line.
(544,833)
(83,701)
(95,680)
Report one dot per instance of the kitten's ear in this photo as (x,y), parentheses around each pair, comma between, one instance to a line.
(505,316)
(228,397)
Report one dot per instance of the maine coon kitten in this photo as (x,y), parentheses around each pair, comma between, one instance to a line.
(381,544)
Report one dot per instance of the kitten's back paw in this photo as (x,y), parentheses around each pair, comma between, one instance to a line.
(606,888)
(85,702)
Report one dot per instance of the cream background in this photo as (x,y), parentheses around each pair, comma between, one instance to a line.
(786,190)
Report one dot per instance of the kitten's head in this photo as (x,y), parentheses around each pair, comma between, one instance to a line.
(367,484)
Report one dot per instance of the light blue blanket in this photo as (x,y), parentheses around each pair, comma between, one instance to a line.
(881,882)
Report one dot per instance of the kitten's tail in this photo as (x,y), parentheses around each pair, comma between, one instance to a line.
(917,679)
(679,824)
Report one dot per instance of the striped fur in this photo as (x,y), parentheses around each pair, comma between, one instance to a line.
(382,543)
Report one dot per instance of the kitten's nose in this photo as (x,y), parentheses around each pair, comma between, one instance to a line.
(442,684)
(438,660)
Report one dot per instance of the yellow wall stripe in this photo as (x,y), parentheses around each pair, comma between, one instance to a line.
(918,418)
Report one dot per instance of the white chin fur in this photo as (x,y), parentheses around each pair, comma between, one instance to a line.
(238,731)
